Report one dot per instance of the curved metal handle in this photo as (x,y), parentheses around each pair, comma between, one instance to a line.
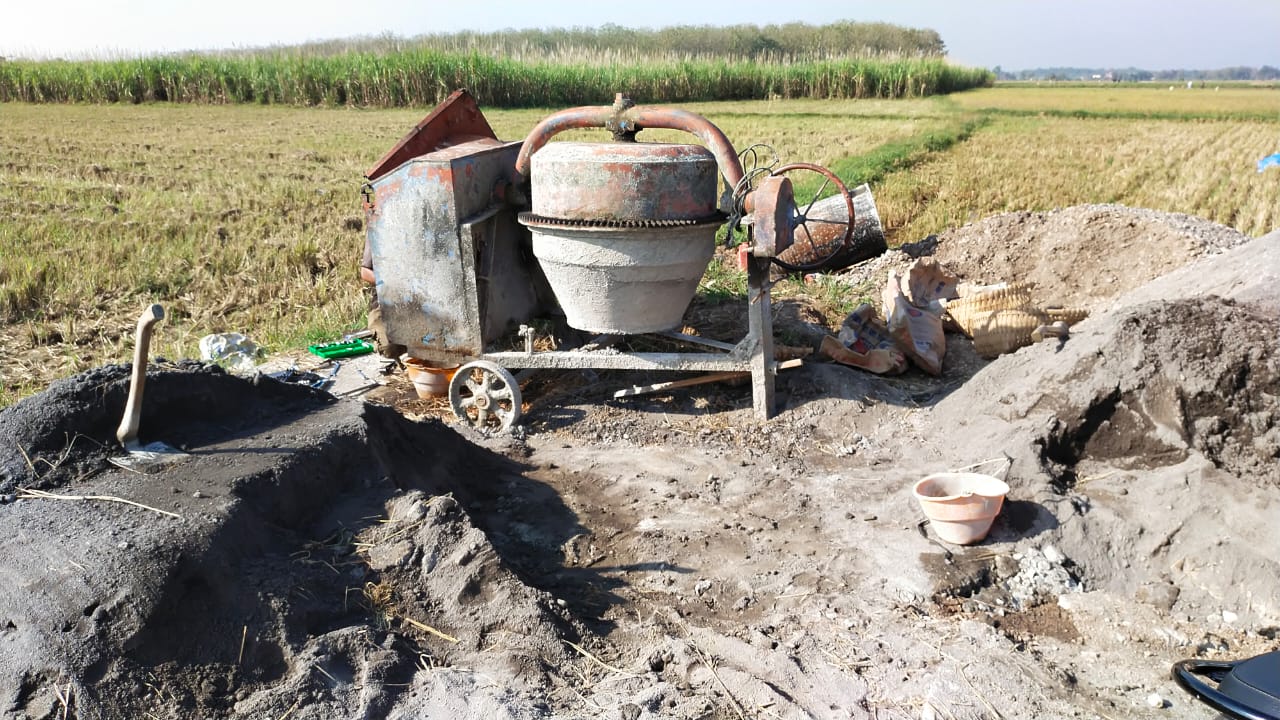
(1185,672)
(624,118)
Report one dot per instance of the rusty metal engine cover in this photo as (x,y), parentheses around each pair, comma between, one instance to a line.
(624,181)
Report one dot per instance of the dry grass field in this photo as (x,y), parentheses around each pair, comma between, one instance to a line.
(1205,168)
(247,218)
(1203,100)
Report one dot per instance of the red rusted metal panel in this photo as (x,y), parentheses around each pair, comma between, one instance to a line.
(456,120)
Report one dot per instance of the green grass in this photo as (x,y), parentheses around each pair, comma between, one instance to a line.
(723,282)
(825,292)
(897,155)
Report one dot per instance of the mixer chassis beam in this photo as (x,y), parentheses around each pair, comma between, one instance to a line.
(753,354)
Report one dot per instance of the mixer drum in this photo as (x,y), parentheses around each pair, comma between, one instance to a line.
(623,231)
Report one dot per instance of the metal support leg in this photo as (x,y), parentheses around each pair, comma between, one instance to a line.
(761,330)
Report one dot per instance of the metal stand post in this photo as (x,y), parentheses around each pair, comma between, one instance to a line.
(760,317)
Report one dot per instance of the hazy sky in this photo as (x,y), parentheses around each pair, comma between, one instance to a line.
(1015,34)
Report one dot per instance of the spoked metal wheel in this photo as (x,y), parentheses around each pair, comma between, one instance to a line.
(485,396)
(822,225)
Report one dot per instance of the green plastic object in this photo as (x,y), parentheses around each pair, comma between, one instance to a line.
(332,350)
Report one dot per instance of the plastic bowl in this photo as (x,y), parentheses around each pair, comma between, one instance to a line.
(960,506)
(429,382)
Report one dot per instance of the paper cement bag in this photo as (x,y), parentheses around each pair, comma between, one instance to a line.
(917,333)
(864,342)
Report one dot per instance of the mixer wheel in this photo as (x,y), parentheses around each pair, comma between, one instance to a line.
(485,396)
(817,239)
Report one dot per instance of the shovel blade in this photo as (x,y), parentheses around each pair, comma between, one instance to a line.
(149,458)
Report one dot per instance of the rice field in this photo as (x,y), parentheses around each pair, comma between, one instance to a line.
(1159,100)
(1205,168)
(247,218)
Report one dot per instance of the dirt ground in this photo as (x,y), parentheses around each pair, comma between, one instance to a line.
(669,556)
